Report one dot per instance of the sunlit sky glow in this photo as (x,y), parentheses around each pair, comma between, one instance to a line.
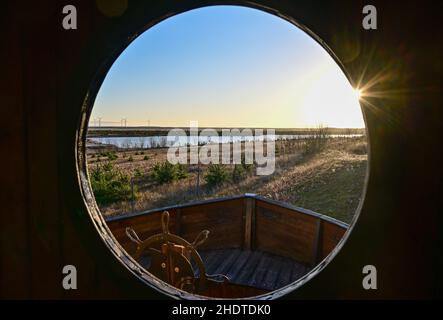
(227,66)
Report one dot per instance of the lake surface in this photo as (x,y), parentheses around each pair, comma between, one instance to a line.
(168,141)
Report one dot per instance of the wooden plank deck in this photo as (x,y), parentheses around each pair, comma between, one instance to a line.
(249,268)
(253,268)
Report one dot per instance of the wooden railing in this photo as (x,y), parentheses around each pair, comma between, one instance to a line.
(249,222)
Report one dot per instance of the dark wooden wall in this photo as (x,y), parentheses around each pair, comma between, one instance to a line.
(249,223)
(295,234)
(47,71)
(223,219)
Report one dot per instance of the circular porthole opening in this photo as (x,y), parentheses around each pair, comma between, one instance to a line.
(225,154)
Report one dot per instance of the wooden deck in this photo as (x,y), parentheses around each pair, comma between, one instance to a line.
(256,242)
(257,269)
(253,268)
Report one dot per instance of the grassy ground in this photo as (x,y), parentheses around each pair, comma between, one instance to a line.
(329,180)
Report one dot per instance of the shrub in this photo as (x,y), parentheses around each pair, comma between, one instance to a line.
(247,167)
(180,171)
(216,175)
(130,159)
(109,185)
(138,173)
(317,141)
(168,172)
(111,156)
(277,149)
(241,170)
(313,145)
(238,173)
(145,158)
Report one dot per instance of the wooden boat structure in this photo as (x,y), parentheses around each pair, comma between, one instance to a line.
(228,248)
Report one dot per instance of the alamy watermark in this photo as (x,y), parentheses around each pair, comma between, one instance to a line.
(370,278)
(70,279)
(248,146)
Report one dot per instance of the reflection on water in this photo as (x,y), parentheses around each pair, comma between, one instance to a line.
(168,141)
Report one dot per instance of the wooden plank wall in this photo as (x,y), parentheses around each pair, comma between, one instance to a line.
(331,235)
(245,223)
(144,225)
(287,232)
(224,220)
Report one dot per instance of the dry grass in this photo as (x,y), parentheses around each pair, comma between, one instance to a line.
(329,181)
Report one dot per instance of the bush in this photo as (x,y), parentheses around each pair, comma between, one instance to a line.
(277,149)
(313,145)
(317,141)
(168,172)
(241,171)
(180,171)
(238,173)
(112,156)
(138,173)
(216,175)
(130,159)
(109,185)
(247,167)
(145,158)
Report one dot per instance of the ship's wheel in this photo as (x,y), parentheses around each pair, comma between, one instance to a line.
(171,258)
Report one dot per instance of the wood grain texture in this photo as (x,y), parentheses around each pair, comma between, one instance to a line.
(240,223)
(285,232)
(257,269)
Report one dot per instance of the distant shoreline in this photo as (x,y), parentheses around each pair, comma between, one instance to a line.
(95,132)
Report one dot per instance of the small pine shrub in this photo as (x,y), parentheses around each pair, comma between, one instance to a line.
(145,158)
(180,171)
(163,173)
(112,156)
(130,159)
(109,185)
(138,173)
(247,167)
(216,175)
(168,172)
(277,149)
(239,173)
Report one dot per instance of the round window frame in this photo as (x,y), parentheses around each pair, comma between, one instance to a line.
(88,196)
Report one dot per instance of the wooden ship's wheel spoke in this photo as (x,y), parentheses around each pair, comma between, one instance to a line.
(172,262)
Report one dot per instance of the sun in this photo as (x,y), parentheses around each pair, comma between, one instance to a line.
(358,93)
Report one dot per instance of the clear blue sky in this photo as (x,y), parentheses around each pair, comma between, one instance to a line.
(227,66)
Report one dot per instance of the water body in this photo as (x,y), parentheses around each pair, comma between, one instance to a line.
(169,141)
